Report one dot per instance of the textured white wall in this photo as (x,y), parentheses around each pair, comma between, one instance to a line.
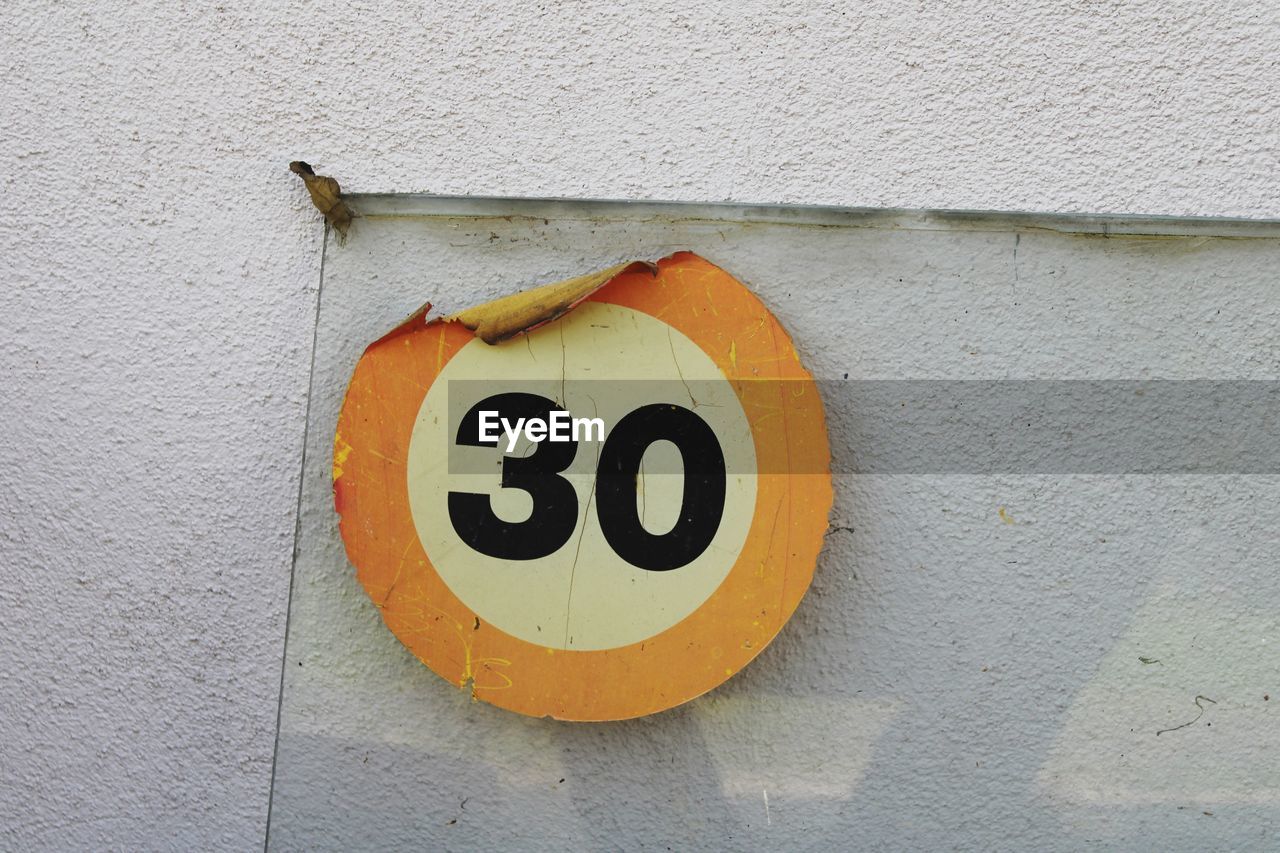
(161,264)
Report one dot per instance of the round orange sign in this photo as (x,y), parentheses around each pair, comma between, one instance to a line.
(601,518)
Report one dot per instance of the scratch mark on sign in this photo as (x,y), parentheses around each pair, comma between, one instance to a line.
(399,573)
(472,666)
(563,370)
(644,500)
(573,571)
(679,372)
(377,455)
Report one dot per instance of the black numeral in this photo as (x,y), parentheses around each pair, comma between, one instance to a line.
(704,487)
(555,503)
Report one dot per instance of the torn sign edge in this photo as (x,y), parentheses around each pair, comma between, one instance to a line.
(520,313)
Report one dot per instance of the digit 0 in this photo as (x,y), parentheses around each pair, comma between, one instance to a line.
(704,487)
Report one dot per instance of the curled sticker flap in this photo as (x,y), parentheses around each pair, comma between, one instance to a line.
(509,316)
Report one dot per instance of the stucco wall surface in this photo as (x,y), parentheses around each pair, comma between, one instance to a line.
(161,268)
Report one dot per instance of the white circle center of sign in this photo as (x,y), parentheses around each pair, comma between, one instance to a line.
(583,596)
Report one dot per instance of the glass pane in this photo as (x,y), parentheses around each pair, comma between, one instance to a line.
(1004,615)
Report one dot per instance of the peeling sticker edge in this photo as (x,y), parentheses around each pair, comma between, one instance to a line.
(520,313)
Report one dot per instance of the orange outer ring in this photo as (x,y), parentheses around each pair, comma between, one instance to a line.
(748,609)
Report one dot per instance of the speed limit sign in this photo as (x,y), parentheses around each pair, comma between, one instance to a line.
(590,503)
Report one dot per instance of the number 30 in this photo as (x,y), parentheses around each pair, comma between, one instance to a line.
(555,503)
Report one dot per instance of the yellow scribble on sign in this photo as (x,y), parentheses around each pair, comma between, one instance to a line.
(341,452)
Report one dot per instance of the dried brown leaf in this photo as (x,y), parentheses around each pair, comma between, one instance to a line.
(326,195)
